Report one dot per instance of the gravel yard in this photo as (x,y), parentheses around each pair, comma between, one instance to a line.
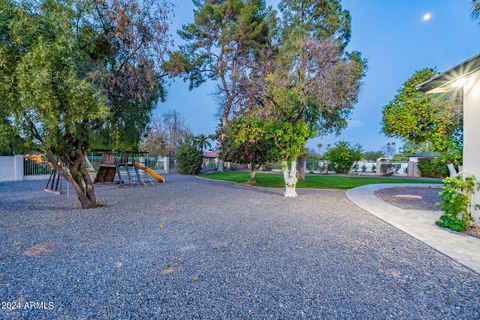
(411,198)
(204,249)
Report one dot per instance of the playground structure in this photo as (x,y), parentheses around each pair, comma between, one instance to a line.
(136,173)
(54,184)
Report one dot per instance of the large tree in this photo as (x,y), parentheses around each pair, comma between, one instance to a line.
(305,82)
(435,119)
(62,65)
(325,19)
(131,39)
(223,38)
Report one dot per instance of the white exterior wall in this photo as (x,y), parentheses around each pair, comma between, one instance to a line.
(11,168)
(6,168)
(471,130)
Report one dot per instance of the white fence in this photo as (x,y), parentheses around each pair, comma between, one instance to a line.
(364,167)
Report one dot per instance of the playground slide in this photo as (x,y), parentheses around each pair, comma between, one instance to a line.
(152,173)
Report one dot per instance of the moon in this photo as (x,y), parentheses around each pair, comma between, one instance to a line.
(427,16)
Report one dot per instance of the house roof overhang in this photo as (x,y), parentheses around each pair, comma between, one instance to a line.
(443,82)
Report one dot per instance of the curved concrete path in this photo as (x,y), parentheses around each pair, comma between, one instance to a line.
(419,224)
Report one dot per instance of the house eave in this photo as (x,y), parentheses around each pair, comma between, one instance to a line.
(443,82)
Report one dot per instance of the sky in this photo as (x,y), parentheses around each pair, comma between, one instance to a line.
(391,34)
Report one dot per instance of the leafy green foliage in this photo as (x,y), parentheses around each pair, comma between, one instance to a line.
(456,205)
(417,117)
(343,155)
(389,169)
(325,19)
(289,139)
(245,142)
(71,70)
(223,33)
(373,155)
(432,168)
(189,159)
(203,141)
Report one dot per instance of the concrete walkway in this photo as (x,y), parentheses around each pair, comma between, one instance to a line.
(419,224)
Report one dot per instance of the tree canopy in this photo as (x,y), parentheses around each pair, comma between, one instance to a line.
(303,82)
(417,117)
(220,44)
(72,68)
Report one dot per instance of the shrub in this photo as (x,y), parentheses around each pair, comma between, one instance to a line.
(312,165)
(364,168)
(389,169)
(189,159)
(432,168)
(374,168)
(343,156)
(457,197)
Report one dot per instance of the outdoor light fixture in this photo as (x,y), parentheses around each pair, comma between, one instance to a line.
(460,76)
(459,83)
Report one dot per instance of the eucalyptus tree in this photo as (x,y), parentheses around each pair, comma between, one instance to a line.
(219,44)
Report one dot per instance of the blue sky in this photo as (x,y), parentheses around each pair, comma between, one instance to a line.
(391,34)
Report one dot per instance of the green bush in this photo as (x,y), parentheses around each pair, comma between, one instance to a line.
(189,159)
(432,168)
(457,196)
(343,155)
(389,169)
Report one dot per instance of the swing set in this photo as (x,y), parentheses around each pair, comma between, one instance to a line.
(111,166)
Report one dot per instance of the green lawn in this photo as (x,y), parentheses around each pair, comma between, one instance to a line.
(320,182)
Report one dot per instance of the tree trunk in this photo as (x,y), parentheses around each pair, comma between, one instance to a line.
(87,180)
(80,181)
(301,167)
(252,173)
(221,163)
(290,177)
(86,195)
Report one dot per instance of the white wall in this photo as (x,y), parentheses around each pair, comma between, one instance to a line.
(471,129)
(11,168)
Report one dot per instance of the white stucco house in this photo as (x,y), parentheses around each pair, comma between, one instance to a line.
(465,78)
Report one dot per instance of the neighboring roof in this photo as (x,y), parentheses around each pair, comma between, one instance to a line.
(441,82)
(425,154)
(210,154)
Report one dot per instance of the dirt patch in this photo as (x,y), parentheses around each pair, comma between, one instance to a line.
(408,198)
(38,249)
(169,270)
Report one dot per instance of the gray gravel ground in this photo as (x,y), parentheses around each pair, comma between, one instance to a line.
(429,194)
(196,249)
